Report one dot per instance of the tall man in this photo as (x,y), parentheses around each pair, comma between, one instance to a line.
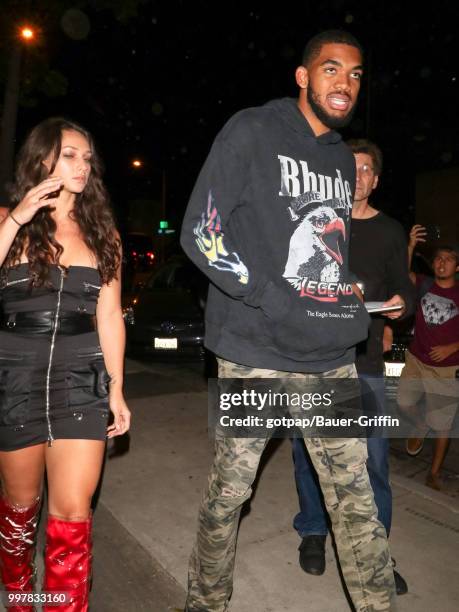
(268,222)
(377,257)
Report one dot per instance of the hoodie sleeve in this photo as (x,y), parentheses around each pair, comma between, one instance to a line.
(206,236)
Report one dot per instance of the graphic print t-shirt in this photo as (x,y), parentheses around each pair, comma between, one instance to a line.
(437,323)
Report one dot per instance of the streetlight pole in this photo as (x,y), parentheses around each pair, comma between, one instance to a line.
(163,212)
(10,111)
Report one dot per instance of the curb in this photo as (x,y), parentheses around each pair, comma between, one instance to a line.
(422,491)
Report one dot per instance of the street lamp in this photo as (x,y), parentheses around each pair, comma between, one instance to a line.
(26,34)
(136,163)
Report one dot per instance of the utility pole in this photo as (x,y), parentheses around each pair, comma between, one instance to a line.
(163,213)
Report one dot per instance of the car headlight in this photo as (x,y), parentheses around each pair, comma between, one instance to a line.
(128,315)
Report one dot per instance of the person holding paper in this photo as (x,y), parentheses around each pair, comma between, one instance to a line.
(377,256)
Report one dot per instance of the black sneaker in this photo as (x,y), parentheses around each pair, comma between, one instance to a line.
(400,583)
(312,554)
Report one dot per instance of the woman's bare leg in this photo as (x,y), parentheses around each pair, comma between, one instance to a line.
(21,474)
(73,468)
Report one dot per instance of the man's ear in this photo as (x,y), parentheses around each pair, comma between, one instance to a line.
(302,77)
(375,181)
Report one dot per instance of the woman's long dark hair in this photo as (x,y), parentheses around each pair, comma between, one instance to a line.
(91,211)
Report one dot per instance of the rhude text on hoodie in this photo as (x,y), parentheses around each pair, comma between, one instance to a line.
(268,222)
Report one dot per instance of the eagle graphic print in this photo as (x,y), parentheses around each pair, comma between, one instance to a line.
(314,263)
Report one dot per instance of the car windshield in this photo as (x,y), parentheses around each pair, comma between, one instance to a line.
(138,242)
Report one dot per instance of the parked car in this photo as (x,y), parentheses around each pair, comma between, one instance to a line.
(395,358)
(166,318)
(138,259)
(403,335)
(138,248)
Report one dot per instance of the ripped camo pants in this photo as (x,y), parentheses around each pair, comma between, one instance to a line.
(340,464)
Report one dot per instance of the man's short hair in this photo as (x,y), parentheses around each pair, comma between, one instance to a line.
(314,45)
(449,248)
(362,145)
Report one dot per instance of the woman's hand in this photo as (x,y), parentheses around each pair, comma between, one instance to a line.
(35,199)
(121,416)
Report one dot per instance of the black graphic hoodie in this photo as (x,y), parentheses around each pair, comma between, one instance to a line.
(268,222)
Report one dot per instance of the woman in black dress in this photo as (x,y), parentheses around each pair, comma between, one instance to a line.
(61,357)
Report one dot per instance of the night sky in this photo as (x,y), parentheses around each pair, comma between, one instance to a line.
(158,84)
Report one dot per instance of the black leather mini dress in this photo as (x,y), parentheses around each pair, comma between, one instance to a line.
(53,380)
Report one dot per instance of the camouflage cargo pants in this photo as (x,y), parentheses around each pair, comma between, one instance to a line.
(340,464)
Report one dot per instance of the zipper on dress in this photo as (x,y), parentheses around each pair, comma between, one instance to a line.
(87,285)
(51,353)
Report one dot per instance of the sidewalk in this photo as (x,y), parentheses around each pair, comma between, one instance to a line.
(154,492)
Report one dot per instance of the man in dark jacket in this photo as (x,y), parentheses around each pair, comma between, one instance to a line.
(378,257)
(268,222)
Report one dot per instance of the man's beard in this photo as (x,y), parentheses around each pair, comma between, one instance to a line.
(323,116)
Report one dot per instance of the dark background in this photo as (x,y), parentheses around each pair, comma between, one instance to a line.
(157,80)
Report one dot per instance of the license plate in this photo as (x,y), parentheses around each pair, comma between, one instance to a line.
(394,369)
(165,343)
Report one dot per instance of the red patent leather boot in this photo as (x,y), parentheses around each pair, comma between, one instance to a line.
(18,527)
(68,563)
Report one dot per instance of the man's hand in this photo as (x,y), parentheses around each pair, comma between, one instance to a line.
(443,351)
(417,234)
(395,300)
(357,291)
